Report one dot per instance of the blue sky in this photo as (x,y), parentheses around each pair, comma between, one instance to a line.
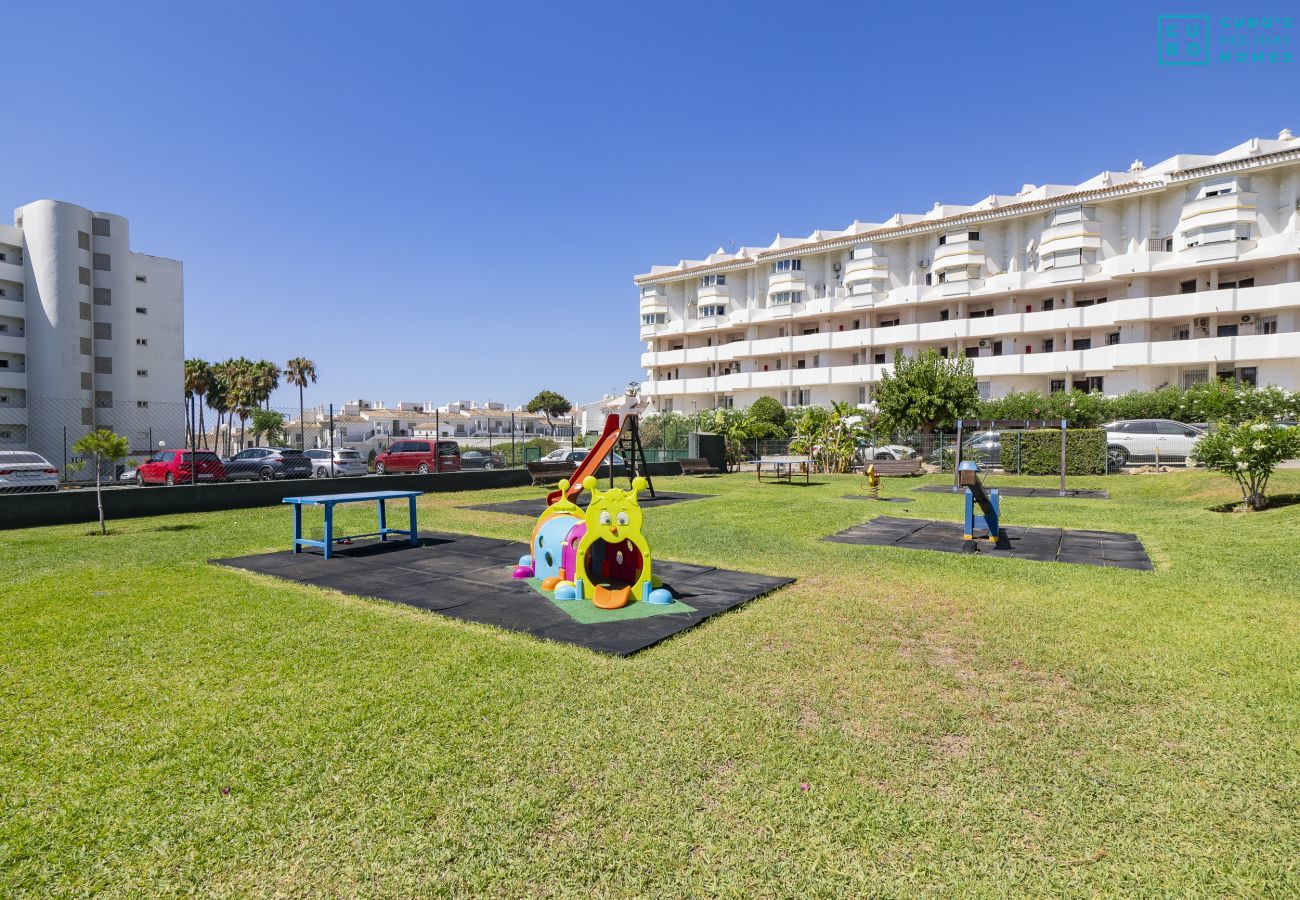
(450,201)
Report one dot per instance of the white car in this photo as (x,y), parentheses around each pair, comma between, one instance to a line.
(889,451)
(22,470)
(344,463)
(1143,439)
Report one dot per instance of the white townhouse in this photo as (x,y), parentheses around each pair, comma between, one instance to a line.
(1171,274)
(91,333)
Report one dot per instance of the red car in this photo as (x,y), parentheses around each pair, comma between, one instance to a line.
(173,467)
(419,456)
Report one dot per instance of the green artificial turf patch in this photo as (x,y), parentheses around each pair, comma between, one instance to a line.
(587,613)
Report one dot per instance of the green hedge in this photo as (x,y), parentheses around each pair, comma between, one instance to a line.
(1040,451)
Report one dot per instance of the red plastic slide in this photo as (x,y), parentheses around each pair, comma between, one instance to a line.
(592,461)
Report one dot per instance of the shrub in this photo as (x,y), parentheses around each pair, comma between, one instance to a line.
(768,409)
(1248,453)
(1040,451)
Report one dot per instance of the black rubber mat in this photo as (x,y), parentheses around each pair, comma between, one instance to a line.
(1079,494)
(469,578)
(1094,548)
(533,506)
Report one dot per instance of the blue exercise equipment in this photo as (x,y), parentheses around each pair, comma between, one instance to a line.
(968,476)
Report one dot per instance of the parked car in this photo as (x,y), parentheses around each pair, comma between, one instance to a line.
(477,459)
(889,451)
(268,463)
(337,463)
(22,470)
(1141,439)
(984,447)
(180,467)
(419,456)
(577,455)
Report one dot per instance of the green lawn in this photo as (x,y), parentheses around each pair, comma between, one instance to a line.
(969,726)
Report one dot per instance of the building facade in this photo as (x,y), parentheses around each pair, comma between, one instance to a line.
(91,333)
(1172,274)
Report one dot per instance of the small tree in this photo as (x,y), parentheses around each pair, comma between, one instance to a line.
(268,422)
(549,404)
(926,391)
(100,446)
(769,409)
(1248,453)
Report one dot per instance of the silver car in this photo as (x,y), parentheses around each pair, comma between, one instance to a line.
(342,464)
(22,470)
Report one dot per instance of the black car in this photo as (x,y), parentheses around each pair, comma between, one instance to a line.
(268,463)
(477,459)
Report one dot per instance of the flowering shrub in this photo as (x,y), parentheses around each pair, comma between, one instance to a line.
(1248,453)
(1212,401)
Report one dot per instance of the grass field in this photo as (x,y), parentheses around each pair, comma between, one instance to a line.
(966,726)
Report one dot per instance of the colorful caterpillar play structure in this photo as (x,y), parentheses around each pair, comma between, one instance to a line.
(598,555)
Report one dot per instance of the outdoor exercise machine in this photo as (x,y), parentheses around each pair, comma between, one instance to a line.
(622,431)
(599,555)
(968,476)
(1001,425)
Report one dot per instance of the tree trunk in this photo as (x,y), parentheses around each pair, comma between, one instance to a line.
(202,430)
(99,499)
(302,426)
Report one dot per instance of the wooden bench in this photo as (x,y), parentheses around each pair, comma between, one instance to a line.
(550,471)
(696,466)
(887,467)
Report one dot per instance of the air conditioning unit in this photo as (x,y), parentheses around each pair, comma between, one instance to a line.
(1247,318)
(924,263)
(1202,323)
(984,343)
(835,267)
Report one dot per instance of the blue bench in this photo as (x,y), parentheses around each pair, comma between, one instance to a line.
(329,501)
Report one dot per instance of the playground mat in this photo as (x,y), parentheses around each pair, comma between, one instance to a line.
(1093,548)
(470,578)
(533,506)
(1076,494)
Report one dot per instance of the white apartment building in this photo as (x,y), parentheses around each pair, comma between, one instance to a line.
(91,333)
(1171,274)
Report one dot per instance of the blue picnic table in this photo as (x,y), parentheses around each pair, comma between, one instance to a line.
(329,501)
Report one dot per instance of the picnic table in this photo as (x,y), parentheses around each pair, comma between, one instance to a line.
(783,467)
(329,501)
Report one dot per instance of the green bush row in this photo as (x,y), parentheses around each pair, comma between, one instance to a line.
(1040,451)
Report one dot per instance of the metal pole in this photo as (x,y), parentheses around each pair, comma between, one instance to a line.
(194,449)
(514,460)
(1063,427)
(65,452)
(956,460)
(437,436)
(331,440)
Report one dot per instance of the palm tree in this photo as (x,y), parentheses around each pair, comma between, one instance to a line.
(198,375)
(265,379)
(298,371)
(245,391)
(219,396)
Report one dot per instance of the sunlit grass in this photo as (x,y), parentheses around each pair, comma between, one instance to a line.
(963,725)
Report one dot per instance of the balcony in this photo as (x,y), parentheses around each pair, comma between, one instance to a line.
(786,281)
(958,254)
(13,415)
(1084,234)
(1224,209)
(866,269)
(713,293)
(13,343)
(11,272)
(810,343)
(14,377)
(942,331)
